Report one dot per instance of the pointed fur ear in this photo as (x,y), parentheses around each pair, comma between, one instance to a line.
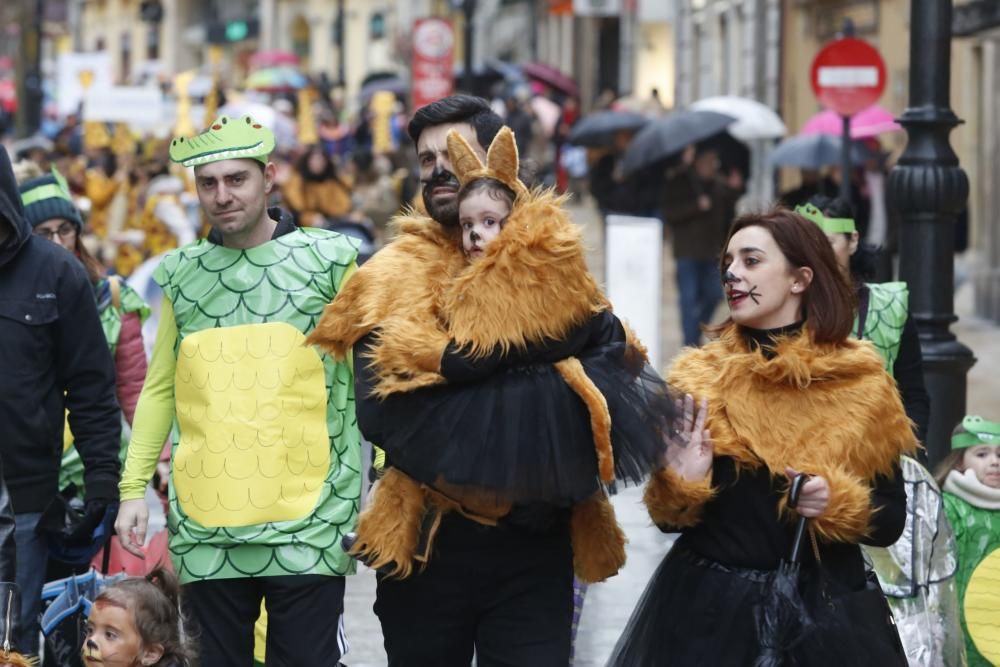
(502,158)
(463,159)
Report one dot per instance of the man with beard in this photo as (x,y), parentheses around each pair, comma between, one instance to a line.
(478,574)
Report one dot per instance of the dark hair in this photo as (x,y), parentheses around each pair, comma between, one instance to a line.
(95,270)
(864,261)
(829,301)
(458,109)
(154,601)
(329,173)
(494,188)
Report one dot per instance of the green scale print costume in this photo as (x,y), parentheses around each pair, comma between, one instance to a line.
(266,476)
(888,307)
(111,311)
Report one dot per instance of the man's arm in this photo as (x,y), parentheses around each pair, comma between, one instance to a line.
(154,414)
(87,374)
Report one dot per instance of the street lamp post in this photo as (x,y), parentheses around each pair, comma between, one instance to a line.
(928,188)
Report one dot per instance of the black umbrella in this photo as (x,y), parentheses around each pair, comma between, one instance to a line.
(599,128)
(815,151)
(663,137)
(782,618)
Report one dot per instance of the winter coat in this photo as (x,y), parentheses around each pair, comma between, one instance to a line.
(54,357)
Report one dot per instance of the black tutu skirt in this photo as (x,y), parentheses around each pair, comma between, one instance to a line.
(696,612)
(522,432)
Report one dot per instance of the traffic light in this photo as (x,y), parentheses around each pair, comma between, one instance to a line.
(376,25)
(233,31)
(151,11)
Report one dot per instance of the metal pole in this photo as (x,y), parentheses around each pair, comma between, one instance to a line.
(469,7)
(845,161)
(341,45)
(29,70)
(928,188)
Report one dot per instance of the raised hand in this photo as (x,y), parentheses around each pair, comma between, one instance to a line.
(689,449)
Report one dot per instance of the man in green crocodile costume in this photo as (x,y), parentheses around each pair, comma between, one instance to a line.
(265,477)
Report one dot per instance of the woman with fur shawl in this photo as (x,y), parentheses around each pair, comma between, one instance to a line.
(782,390)
(504,392)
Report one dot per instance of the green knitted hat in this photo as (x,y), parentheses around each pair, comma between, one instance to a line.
(226,139)
(975,431)
(828,225)
(48,197)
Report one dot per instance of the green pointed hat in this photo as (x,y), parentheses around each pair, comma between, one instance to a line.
(225,139)
(975,431)
(828,225)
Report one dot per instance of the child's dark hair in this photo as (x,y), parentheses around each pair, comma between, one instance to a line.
(154,601)
(865,260)
(491,186)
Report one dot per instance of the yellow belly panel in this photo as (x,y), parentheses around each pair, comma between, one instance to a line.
(982,607)
(251,405)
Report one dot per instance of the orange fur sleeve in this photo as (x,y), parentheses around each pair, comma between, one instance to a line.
(675,502)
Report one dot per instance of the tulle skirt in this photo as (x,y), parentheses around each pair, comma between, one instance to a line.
(695,612)
(524,434)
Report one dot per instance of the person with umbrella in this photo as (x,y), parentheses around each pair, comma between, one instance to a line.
(781,390)
(698,205)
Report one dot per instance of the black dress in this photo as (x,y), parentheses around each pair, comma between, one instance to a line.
(698,608)
(510,424)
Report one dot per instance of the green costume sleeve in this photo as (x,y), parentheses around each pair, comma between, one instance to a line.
(154,414)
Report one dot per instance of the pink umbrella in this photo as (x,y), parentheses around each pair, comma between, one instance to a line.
(275,58)
(551,76)
(865,124)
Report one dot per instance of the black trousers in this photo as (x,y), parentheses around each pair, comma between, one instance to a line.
(304,614)
(501,592)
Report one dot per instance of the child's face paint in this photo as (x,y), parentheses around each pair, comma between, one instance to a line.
(112,639)
(985,461)
(762,289)
(482,217)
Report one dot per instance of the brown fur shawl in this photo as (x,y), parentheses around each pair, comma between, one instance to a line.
(828,410)
(420,291)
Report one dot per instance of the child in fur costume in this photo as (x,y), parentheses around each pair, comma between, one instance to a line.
(782,390)
(509,393)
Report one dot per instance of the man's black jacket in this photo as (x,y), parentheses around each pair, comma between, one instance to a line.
(53,357)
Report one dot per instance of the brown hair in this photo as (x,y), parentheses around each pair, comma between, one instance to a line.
(951,462)
(154,601)
(95,270)
(829,301)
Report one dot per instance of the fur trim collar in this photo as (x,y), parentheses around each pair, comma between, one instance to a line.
(420,290)
(968,487)
(810,406)
(532,283)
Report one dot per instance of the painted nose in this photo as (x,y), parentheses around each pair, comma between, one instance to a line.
(474,236)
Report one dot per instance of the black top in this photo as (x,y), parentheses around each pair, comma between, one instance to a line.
(53,357)
(740,528)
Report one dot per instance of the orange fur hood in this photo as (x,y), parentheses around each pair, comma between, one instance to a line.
(420,291)
(828,410)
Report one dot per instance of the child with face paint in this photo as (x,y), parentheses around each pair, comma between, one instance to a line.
(136,622)
(970,479)
(483,207)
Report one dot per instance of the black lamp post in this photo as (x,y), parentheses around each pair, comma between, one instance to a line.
(928,188)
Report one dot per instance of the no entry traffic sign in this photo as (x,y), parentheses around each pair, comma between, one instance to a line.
(848,75)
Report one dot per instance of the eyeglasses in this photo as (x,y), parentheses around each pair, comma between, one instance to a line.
(65,229)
